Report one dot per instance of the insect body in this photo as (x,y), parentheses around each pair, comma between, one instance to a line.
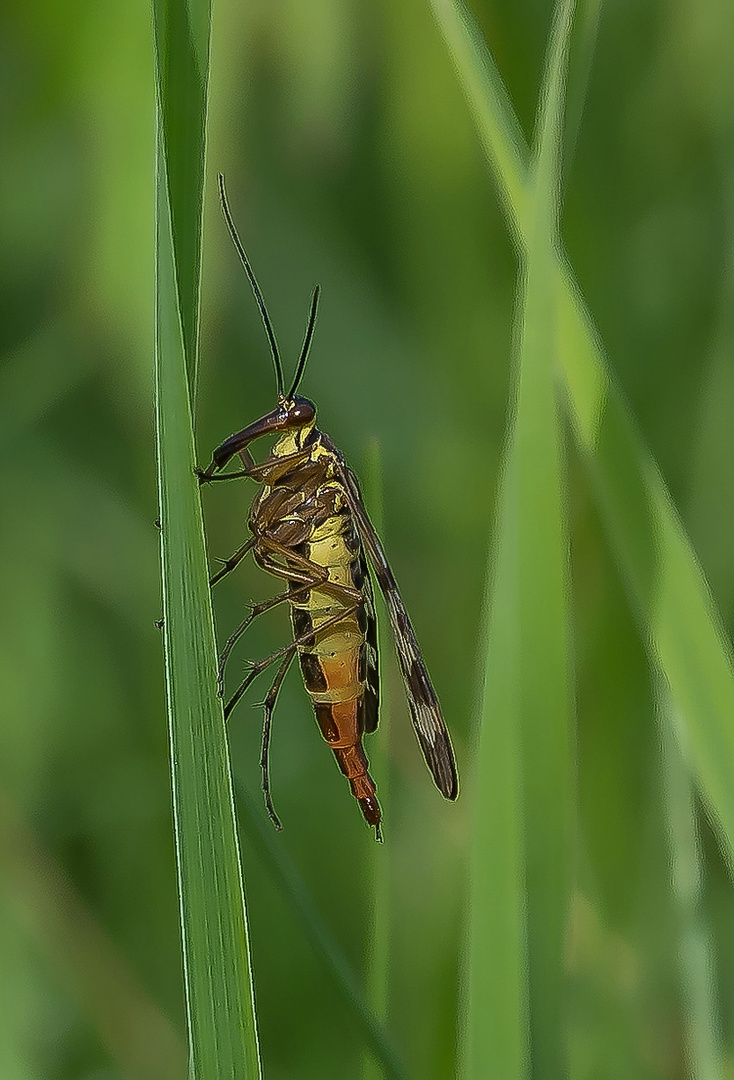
(310,528)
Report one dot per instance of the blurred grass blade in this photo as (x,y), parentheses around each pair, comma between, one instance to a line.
(524,780)
(44,902)
(543,574)
(497,125)
(378,953)
(695,946)
(218,980)
(494,1042)
(587,19)
(668,593)
(291,886)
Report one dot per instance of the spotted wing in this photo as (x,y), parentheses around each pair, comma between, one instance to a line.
(425,710)
(372,681)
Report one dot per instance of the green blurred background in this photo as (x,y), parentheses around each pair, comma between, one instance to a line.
(351,161)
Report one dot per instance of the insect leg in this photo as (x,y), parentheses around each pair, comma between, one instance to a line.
(269,705)
(219,460)
(270,471)
(258,472)
(257,609)
(204,477)
(305,579)
(300,569)
(308,581)
(260,665)
(232,561)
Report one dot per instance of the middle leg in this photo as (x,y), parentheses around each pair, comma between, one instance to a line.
(232,562)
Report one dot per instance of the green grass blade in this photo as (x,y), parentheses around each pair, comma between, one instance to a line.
(668,592)
(218,980)
(181,32)
(587,19)
(544,693)
(695,946)
(494,1042)
(497,125)
(521,864)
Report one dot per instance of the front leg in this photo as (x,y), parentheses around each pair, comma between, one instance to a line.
(266,473)
(235,444)
(206,476)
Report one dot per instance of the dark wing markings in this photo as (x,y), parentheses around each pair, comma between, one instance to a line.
(372,686)
(425,710)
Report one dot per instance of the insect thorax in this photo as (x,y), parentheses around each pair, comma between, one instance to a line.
(290,442)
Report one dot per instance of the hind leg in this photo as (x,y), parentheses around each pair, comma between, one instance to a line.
(257,609)
(259,665)
(269,706)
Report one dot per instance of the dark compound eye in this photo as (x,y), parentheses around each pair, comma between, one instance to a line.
(303,410)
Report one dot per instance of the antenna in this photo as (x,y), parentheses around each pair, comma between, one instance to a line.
(306,342)
(256,289)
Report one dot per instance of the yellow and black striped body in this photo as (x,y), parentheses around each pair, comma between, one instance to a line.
(305,532)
